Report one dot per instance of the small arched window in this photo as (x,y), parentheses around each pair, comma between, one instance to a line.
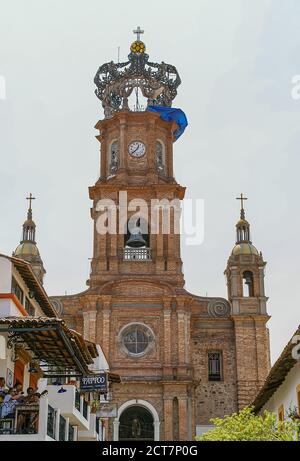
(114,157)
(215,366)
(160,156)
(248,287)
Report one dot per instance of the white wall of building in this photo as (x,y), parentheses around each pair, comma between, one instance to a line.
(8,308)
(6,361)
(23,286)
(5,275)
(286,394)
(100,362)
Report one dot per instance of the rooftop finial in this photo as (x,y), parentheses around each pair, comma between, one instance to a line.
(30,198)
(242,198)
(29,225)
(242,226)
(27,250)
(138,31)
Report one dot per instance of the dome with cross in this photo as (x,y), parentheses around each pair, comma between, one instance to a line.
(243,241)
(27,249)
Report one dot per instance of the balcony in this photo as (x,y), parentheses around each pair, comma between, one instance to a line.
(93,432)
(71,404)
(137,254)
(29,423)
(57,416)
(39,422)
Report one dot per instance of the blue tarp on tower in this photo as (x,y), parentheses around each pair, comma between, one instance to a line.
(169,114)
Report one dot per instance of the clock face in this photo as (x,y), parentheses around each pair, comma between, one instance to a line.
(136,148)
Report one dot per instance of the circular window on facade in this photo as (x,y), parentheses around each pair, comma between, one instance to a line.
(136,339)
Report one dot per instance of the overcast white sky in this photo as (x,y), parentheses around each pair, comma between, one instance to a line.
(236,59)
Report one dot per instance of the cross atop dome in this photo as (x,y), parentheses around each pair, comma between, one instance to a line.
(138,31)
(242,198)
(242,226)
(30,198)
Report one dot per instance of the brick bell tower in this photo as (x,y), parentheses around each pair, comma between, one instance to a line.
(245,274)
(136,168)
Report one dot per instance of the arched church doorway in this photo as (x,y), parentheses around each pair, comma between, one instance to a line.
(136,423)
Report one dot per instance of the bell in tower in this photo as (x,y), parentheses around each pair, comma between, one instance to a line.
(136,240)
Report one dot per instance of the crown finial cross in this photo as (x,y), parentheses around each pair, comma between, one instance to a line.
(242,198)
(138,31)
(30,198)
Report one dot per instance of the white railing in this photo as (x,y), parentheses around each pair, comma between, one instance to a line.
(137,254)
(71,404)
(29,422)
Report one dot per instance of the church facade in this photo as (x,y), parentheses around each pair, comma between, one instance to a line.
(182,358)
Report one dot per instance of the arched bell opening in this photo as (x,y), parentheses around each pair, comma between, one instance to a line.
(137,235)
(248,285)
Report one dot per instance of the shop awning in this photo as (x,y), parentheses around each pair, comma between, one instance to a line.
(51,342)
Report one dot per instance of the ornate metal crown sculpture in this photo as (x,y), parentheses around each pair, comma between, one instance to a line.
(115,82)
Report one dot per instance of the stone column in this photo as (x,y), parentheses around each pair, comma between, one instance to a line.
(113,257)
(93,325)
(151,135)
(116,424)
(168,418)
(122,146)
(86,317)
(169,155)
(106,312)
(99,258)
(183,418)
(159,237)
(167,333)
(103,154)
(171,236)
(181,337)
(187,337)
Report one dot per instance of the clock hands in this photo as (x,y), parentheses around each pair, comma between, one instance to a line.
(133,152)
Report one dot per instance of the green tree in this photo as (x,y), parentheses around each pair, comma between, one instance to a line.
(246,426)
